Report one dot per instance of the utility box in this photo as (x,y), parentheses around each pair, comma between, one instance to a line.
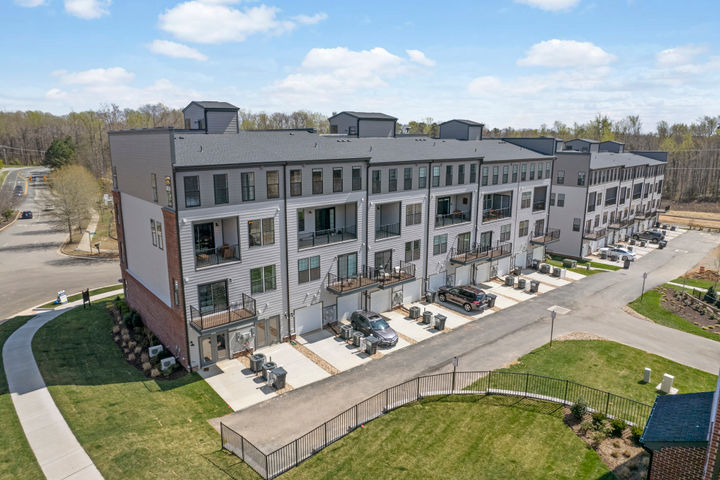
(427,317)
(534,285)
(256,362)
(666,386)
(569,263)
(521,283)
(545,268)
(535,264)
(557,272)
(429,296)
(279,375)
(371,344)
(268,367)
(346,332)
(517,271)
(440,321)
(510,281)
(646,375)
(415,312)
(357,337)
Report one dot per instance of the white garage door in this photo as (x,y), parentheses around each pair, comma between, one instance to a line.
(462,275)
(538,253)
(520,259)
(482,273)
(346,305)
(308,319)
(380,301)
(503,267)
(437,281)
(411,291)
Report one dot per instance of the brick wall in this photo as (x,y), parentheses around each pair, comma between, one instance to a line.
(678,463)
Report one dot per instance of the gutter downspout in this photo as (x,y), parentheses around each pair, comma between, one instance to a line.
(478,206)
(585,205)
(367,234)
(287,258)
(426,279)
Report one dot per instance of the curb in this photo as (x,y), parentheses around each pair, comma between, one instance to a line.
(36,310)
(13,222)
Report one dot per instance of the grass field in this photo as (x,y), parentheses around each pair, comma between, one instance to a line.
(694,282)
(582,270)
(651,308)
(16,457)
(78,296)
(612,367)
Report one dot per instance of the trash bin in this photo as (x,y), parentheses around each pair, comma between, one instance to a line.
(517,271)
(603,255)
(357,336)
(346,332)
(626,263)
(427,317)
(415,312)
(534,285)
(440,321)
(672,228)
(509,281)
(430,296)
(267,366)
(491,300)
(521,283)
(662,244)
(278,374)
(557,272)
(535,264)
(371,344)
(256,362)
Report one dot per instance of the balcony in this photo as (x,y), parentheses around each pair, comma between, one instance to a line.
(453,209)
(385,231)
(552,235)
(618,225)
(497,206)
(208,318)
(403,273)
(538,206)
(594,234)
(216,256)
(481,253)
(326,237)
(492,214)
(452,218)
(387,220)
(365,279)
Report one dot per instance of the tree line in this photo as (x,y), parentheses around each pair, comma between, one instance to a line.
(32,137)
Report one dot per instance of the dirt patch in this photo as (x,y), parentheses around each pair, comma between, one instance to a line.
(691,219)
(696,207)
(700,315)
(579,336)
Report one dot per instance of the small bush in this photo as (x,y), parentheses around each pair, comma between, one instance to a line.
(585,426)
(146,366)
(124,331)
(167,371)
(598,436)
(137,350)
(579,408)
(627,454)
(605,428)
(116,329)
(144,357)
(125,338)
(598,418)
(132,344)
(131,357)
(614,454)
(154,373)
(618,427)
(636,432)
(116,338)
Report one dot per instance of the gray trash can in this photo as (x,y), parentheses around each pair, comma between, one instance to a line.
(672,228)
(491,300)
(371,344)
(279,376)
(534,285)
(356,338)
(430,296)
(662,244)
(626,263)
(256,362)
(267,366)
(440,321)
(535,264)
(427,317)
(415,312)
(557,271)
(509,280)
(521,283)
(346,332)
(517,271)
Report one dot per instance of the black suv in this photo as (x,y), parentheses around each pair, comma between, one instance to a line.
(469,297)
(370,323)
(653,236)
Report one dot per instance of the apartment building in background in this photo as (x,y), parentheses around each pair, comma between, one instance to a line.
(233,240)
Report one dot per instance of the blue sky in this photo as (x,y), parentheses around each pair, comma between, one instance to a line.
(518,63)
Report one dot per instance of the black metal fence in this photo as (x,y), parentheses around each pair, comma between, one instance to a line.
(564,392)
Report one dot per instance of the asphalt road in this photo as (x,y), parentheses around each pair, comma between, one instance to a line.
(31,269)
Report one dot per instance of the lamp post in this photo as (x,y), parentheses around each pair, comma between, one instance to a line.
(552,325)
(642,292)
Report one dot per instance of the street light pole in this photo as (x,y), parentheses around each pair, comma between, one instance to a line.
(642,293)
(552,325)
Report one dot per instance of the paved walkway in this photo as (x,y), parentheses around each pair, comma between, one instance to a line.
(56,449)
(84,243)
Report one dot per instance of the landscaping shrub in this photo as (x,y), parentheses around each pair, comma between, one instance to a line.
(146,366)
(585,426)
(579,408)
(598,418)
(131,357)
(144,357)
(636,432)
(137,350)
(154,373)
(598,436)
(164,354)
(618,426)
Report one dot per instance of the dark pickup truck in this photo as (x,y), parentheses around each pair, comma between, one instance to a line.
(469,297)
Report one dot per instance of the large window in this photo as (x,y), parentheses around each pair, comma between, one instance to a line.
(560,177)
(220,186)
(523,172)
(440,244)
(413,214)
(247,182)
(153,232)
(592,198)
(383,260)
(485,176)
(463,242)
(540,171)
(213,297)
(448,175)
(153,185)
(461,174)
(496,174)
(347,265)
(506,169)
(376,187)
(523,228)
(412,250)
(422,177)
(262,279)
(158,228)
(561,200)
(525,198)
(515,173)
(392,180)
(532,171)
(295,183)
(539,196)
(337,179)
(436,176)
(192,191)
(552,199)
(505,233)
(272,180)
(473,173)
(407,178)
(356,178)
(301,220)
(309,269)
(317,181)
(548,170)
(576,224)
(261,232)
(581,178)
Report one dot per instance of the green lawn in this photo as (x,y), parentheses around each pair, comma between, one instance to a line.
(460,438)
(612,367)
(130,426)
(16,457)
(78,296)
(2,177)
(694,282)
(585,262)
(581,270)
(650,307)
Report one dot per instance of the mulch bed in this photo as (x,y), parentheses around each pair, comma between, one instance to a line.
(676,304)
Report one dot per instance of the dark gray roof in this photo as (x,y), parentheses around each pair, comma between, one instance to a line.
(367,115)
(625,159)
(612,141)
(678,419)
(466,122)
(199,149)
(584,140)
(212,105)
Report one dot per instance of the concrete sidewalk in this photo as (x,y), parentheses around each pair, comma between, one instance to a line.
(84,244)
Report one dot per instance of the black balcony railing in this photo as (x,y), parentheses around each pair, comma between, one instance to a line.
(538,206)
(619,224)
(490,214)
(595,234)
(385,231)
(401,273)
(215,316)
(543,238)
(216,256)
(481,253)
(324,237)
(362,280)
(452,218)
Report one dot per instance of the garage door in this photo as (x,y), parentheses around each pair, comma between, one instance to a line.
(347,305)
(462,275)
(411,291)
(503,267)
(538,253)
(520,259)
(437,281)
(380,301)
(482,273)
(308,319)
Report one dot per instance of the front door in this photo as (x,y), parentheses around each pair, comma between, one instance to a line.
(485,241)
(213,348)
(324,219)
(267,331)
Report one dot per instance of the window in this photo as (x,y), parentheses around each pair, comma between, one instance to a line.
(213,297)
(192,191)
(496,172)
(337,179)
(525,199)
(301,220)
(262,279)
(295,183)
(485,176)
(176,293)
(356,178)
(506,169)
(604,221)
(581,178)
(309,269)
(422,177)
(539,196)
(436,177)
(448,175)
(473,173)
(407,178)
(317,181)
(412,250)
(114,178)
(576,224)
(461,174)
(552,199)
(592,198)
(220,186)
(599,198)
(523,228)
(376,187)
(515,173)
(392,180)
(158,228)
(463,242)
(561,200)
(383,260)
(153,185)
(168,190)
(505,233)
(532,171)
(247,183)
(153,232)
(540,171)
(523,172)
(413,214)
(440,244)
(548,170)
(272,180)
(261,232)
(347,265)
(560,177)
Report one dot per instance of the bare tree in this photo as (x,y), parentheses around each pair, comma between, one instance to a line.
(75,193)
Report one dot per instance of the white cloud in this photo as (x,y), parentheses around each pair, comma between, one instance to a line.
(88,9)
(550,5)
(213,21)
(419,57)
(176,50)
(55,94)
(681,55)
(30,3)
(96,76)
(565,53)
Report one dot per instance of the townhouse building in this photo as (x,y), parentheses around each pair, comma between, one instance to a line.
(233,240)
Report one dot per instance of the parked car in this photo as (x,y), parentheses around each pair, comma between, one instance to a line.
(373,324)
(621,253)
(469,297)
(19,191)
(26,214)
(653,236)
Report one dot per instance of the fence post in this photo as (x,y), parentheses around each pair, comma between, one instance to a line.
(565,394)
(325,442)
(267,468)
(489,381)
(418,389)
(387,402)
(297,453)
(607,403)
(242,447)
(452,387)
(527,380)
(356,416)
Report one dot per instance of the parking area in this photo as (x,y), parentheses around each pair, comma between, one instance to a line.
(638,249)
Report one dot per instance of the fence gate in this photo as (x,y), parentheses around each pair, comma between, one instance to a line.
(329,314)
